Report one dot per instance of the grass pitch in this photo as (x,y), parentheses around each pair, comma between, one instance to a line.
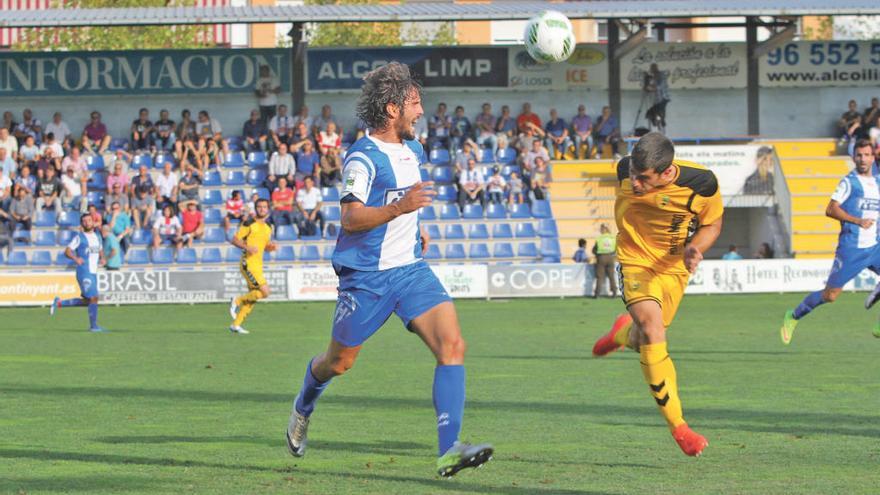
(170,402)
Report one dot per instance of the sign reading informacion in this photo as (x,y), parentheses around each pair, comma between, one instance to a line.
(822,64)
(139,72)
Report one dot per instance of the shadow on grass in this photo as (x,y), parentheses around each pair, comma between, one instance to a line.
(49,455)
(86,484)
(386,447)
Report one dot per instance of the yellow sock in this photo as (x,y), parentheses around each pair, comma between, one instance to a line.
(251,297)
(660,374)
(243,311)
(622,337)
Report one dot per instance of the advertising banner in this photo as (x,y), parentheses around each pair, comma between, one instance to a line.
(28,289)
(687,65)
(463,281)
(586,68)
(144,287)
(822,64)
(783,275)
(540,280)
(312,283)
(37,74)
(736,167)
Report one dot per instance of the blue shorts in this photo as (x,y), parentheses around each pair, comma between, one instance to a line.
(367,299)
(849,262)
(88,285)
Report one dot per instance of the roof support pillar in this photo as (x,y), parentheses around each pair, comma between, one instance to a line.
(614,94)
(753,95)
(297,67)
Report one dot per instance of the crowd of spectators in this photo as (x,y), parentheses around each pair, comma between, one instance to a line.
(854,125)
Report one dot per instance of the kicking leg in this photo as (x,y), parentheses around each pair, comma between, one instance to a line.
(811,302)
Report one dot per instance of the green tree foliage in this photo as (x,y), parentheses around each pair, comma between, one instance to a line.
(116,38)
(377,33)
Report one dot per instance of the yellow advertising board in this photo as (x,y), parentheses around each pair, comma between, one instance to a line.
(22,288)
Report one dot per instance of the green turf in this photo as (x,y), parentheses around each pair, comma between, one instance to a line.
(169,402)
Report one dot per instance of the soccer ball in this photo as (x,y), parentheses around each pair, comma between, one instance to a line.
(549,37)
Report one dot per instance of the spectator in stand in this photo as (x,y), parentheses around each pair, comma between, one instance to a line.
(765,252)
(28,152)
(235,210)
(112,249)
(874,132)
(50,143)
(580,255)
(21,210)
(29,126)
(119,155)
(281,164)
(516,189)
(306,164)
(9,121)
(282,204)
(558,138)
(471,185)
(49,192)
(209,131)
(462,157)
(420,131)
(167,184)
(142,132)
(267,91)
(193,225)
(61,131)
(118,177)
(607,131)
(7,164)
(732,254)
(143,181)
(186,130)
(119,222)
(538,151)
(308,209)
(281,127)
(97,219)
(320,122)
(25,181)
(439,127)
(255,133)
(850,124)
(77,162)
(74,194)
(303,118)
(5,190)
(6,232)
(9,143)
(496,187)
(250,207)
(331,168)
(143,205)
(485,131)
(191,154)
(529,126)
(871,114)
(582,131)
(505,128)
(188,189)
(167,229)
(540,179)
(95,139)
(329,139)
(164,137)
(117,195)
(461,128)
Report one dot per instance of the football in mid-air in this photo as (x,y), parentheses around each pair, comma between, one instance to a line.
(549,37)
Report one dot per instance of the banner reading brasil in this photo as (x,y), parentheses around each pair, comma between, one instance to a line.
(139,72)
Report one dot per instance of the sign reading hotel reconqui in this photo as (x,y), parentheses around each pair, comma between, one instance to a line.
(138,72)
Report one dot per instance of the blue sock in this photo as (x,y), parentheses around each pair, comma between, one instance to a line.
(311,390)
(448,404)
(809,303)
(74,302)
(93,315)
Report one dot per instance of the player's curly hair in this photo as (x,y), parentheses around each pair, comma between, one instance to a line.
(653,151)
(391,83)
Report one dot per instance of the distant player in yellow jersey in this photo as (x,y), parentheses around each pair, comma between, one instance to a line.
(668,214)
(253,238)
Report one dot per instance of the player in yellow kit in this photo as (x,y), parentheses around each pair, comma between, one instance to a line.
(253,238)
(668,214)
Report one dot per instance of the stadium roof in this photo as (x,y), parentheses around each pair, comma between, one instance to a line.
(431,11)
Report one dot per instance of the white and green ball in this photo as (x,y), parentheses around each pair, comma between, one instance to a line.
(549,37)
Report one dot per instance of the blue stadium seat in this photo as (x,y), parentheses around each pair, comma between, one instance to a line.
(509,169)
(478,231)
(262,192)
(550,248)
(478,250)
(211,255)
(443,175)
(145,160)
(454,251)
(62,260)
(433,231)
(234,178)
(541,209)
(496,211)
(234,142)
(213,216)
(46,218)
(213,198)
(45,238)
(454,231)
(525,230)
(233,255)
(95,162)
(97,181)
(96,198)
(317,236)
(487,156)
(285,253)
(214,235)
(187,255)
(141,237)
(137,257)
(41,258)
(212,178)
(267,256)
(520,210)
(22,237)
(502,250)
(285,233)
(328,252)
(473,211)
(439,156)
(424,175)
(234,160)
(446,193)
(506,156)
(527,250)
(309,253)
(65,236)
(547,228)
(427,213)
(329,194)
(163,256)
(119,144)
(331,213)
(162,158)
(433,252)
(17,258)
(331,231)
(257,159)
(450,212)
(256,177)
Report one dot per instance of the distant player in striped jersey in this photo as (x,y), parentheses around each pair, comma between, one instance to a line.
(86,250)
(379,261)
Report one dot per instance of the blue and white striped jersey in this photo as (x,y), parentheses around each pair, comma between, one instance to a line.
(88,247)
(860,197)
(377,173)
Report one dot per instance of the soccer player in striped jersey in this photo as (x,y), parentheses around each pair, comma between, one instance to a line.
(86,250)
(378,259)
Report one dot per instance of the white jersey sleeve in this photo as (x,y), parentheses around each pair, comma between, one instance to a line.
(358,174)
(844,189)
(74,243)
